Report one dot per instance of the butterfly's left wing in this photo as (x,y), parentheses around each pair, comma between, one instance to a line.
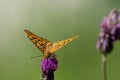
(39,42)
(61,43)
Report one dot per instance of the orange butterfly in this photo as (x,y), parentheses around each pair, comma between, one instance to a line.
(47,47)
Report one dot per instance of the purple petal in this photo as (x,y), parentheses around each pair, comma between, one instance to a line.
(48,66)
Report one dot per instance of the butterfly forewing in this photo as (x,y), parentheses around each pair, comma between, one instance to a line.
(61,43)
(40,42)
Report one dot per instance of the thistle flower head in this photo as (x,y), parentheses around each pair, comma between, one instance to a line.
(48,66)
(109,32)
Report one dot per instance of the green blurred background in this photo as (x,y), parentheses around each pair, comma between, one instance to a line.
(55,20)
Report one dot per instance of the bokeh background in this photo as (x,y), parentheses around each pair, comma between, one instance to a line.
(55,20)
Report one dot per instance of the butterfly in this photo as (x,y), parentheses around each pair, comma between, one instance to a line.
(47,47)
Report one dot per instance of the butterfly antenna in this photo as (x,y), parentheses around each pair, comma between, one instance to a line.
(36,56)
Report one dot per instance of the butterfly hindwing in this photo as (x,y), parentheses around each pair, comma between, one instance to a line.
(39,42)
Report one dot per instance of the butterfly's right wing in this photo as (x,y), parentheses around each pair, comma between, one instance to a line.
(61,43)
(39,42)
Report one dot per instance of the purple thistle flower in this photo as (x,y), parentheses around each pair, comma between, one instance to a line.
(109,32)
(48,66)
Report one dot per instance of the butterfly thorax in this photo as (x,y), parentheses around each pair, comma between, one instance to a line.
(47,53)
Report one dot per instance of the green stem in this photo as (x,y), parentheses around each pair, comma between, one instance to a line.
(104,68)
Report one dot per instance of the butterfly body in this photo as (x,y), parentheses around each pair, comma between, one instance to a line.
(48,48)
